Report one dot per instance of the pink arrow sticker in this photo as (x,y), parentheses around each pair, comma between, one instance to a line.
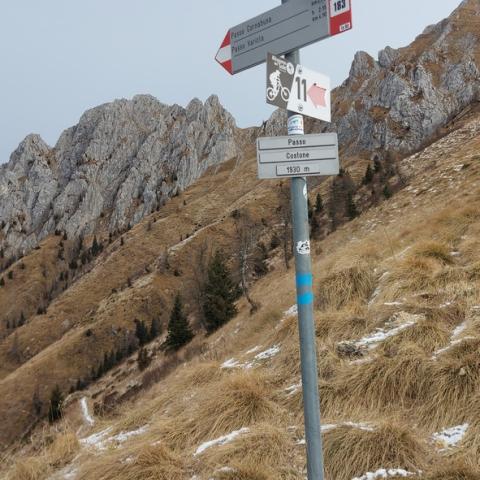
(317,95)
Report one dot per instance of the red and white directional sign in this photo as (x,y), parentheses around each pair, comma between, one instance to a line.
(290,26)
(310,94)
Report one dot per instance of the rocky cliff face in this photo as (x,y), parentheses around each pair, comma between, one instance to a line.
(400,101)
(121,162)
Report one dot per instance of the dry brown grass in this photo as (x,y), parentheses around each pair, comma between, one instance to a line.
(351,452)
(265,444)
(31,468)
(63,449)
(151,462)
(238,400)
(431,249)
(454,470)
(410,275)
(344,324)
(396,382)
(341,288)
(245,471)
(455,377)
(426,334)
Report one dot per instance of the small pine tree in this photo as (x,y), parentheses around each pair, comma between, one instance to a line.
(37,402)
(368,175)
(22,320)
(318,204)
(315,227)
(56,402)
(377,165)
(352,211)
(309,209)
(143,359)
(2,282)
(155,329)
(95,249)
(220,294)
(387,193)
(141,332)
(179,331)
(10,275)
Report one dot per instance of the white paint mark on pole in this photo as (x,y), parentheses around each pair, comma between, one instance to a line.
(303,248)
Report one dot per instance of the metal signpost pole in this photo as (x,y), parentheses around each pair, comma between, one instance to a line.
(304,280)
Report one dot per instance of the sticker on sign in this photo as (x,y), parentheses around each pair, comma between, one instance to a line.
(311,94)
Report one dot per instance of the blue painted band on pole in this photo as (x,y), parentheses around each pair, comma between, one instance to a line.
(305,299)
(304,280)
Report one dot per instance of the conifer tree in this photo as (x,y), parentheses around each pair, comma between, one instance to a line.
(351,207)
(179,331)
(141,332)
(368,175)
(143,359)
(56,402)
(220,294)
(155,329)
(318,204)
(2,282)
(387,193)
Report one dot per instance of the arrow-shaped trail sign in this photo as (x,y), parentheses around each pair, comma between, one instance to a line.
(285,28)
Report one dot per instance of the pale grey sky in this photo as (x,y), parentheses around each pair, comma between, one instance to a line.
(61,57)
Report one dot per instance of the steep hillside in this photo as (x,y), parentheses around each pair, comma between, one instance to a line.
(397,315)
(129,206)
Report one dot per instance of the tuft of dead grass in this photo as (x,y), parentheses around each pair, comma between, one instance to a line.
(454,470)
(63,449)
(431,249)
(350,452)
(426,334)
(455,377)
(245,471)
(341,288)
(265,444)
(236,401)
(384,382)
(31,468)
(152,462)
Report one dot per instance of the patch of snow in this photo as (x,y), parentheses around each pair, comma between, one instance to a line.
(86,414)
(96,440)
(124,436)
(445,305)
(459,330)
(367,427)
(253,350)
(293,388)
(450,437)
(271,352)
(381,334)
(293,310)
(100,440)
(230,363)
(221,440)
(385,473)
(393,304)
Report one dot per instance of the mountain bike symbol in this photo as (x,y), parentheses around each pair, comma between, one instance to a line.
(277,87)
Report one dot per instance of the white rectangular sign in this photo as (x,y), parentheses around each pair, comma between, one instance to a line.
(298,156)
(310,94)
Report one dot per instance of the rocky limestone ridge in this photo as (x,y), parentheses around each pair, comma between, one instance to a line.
(400,101)
(121,162)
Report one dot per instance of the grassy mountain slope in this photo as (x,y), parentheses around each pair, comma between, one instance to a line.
(397,314)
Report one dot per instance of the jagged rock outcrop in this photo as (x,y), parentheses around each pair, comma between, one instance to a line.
(400,102)
(121,162)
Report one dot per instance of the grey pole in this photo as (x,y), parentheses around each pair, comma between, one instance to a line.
(304,281)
